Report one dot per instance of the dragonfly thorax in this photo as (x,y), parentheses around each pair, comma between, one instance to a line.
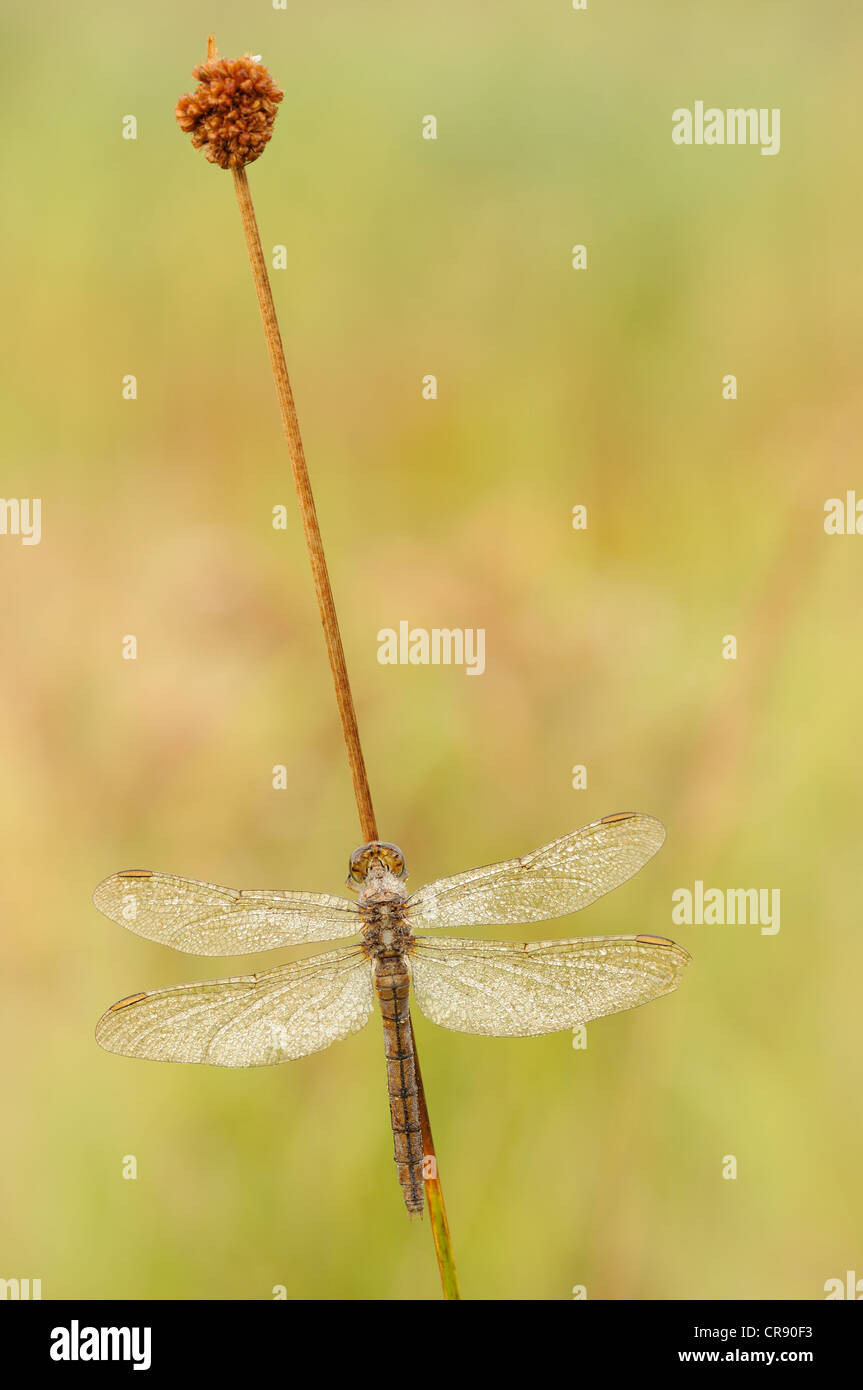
(385,928)
(377,871)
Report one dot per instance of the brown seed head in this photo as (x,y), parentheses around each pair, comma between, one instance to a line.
(231,113)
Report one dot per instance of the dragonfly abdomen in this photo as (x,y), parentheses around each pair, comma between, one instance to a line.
(392,984)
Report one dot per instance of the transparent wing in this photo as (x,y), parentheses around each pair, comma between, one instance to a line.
(207,920)
(249,1020)
(559,878)
(514,990)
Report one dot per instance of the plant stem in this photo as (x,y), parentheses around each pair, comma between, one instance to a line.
(320,575)
(335,651)
(434,1193)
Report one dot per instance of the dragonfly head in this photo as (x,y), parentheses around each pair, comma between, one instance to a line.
(375,860)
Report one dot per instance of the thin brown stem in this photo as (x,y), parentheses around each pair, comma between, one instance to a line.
(335,652)
(315,545)
(434,1193)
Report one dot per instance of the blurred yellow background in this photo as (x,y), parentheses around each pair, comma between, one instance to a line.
(406,257)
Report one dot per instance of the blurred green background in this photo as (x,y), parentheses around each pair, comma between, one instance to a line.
(406,257)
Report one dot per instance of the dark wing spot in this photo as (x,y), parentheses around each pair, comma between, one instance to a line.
(130,999)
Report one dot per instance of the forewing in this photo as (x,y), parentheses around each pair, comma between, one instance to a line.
(207,920)
(248,1020)
(559,878)
(514,990)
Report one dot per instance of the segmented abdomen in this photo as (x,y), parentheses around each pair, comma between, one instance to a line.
(392,984)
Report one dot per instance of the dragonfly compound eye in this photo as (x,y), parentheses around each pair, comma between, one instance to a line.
(392,857)
(389,855)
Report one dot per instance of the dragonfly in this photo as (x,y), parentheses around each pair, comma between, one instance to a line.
(492,988)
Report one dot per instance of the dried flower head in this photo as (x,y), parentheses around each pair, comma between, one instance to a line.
(230,115)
